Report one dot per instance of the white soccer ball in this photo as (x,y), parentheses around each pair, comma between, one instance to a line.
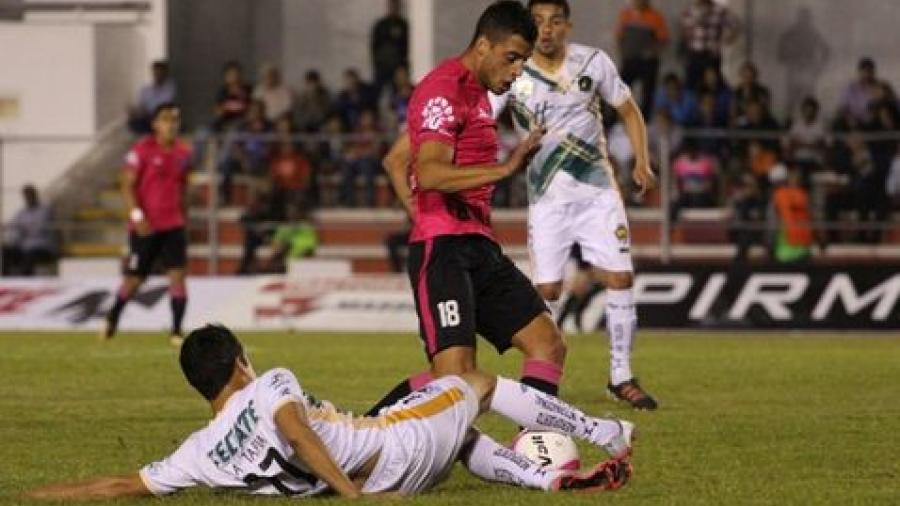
(549,449)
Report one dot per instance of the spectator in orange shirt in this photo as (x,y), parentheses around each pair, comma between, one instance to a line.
(790,205)
(641,35)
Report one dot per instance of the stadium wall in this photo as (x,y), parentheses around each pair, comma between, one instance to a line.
(845,298)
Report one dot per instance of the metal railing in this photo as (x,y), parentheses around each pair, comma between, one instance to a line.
(79,181)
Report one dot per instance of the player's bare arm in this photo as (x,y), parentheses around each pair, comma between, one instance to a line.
(129,194)
(436,170)
(636,130)
(396,165)
(106,487)
(293,425)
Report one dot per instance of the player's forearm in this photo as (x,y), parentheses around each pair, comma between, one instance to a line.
(98,488)
(312,451)
(446,177)
(636,130)
(396,169)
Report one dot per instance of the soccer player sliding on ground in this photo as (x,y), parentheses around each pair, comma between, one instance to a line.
(270,437)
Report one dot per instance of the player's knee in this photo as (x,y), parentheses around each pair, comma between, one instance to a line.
(482,384)
(550,291)
(618,280)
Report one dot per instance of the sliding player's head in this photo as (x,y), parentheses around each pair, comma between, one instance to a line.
(504,38)
(211,357)
(552,18)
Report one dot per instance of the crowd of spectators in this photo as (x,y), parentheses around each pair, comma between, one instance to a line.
(728,147)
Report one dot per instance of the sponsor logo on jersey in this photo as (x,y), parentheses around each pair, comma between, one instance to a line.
(437,114)
(523,88)
(622,233)
(585,83)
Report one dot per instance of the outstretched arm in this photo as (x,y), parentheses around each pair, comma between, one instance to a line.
(396,164)
(637,134)
(294,427)
(106,487)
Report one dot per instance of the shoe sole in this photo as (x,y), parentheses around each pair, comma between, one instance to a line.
(615,398)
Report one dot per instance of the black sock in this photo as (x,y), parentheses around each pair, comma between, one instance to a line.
(539,384)
(113,315)
(179,304)
(400,391)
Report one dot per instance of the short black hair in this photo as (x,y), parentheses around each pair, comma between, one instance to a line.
(165,106)
(207,359)
(866,63)
(505,18)
(562,4)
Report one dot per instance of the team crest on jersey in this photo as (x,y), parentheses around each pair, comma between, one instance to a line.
(523,89)
(622,233)
(585,83)
(436,113)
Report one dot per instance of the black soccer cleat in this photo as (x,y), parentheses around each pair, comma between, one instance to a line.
(632,393)
(609,475)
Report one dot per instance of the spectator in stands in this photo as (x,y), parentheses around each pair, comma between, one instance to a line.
(861,192)
(860,93)
(709,117)
(705,28)
(758,121)
(695,179)
(314,104)
(748,90)
(641,35)
(674,98)
(663,128)
(805,142)
(791,217)
(31,240)
(356,97)
(291,176)
(747,216)
(713,84)
(232,99)
(247,148)
(400,93)
(258,222)
(273,93)
(160,91)
(892,185)
(362,158)
(295,238)
(389,46)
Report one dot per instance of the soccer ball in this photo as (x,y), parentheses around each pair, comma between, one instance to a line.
(549,449)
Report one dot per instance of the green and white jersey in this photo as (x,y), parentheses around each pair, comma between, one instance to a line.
(572,163)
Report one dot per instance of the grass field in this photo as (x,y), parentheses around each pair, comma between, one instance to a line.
(807,419)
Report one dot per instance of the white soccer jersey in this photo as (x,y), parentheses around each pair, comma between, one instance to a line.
(241,447)
(572,163)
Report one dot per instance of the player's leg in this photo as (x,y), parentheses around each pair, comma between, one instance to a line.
(549,246)
(511,313)
(445,305)
(602,232)
(142,252)
(174,257)
(536,410)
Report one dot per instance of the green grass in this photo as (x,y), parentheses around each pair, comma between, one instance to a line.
(806,419)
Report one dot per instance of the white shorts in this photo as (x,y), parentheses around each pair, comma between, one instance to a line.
(425,432)
(599,225)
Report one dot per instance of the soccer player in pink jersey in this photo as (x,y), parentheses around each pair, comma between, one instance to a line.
(462,282)
(153,186)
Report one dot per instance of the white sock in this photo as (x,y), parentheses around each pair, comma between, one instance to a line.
(490,461)
(621,323)
(553,305)
(533,409)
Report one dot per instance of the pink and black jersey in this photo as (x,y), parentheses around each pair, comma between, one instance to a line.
(161,173)
(451,106)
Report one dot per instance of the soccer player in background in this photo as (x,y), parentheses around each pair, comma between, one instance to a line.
(154,185)
(461,280)
(573,196)
(270,437)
